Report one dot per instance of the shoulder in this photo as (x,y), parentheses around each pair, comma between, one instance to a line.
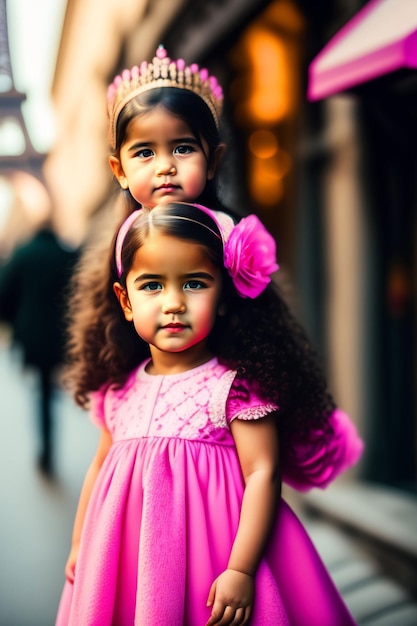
(104,400)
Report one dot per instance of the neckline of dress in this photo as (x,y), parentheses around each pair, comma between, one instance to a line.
(142,373)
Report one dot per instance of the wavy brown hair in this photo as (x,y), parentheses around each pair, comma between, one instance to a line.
(260,338)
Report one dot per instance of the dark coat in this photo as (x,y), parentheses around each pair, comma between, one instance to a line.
(33,290)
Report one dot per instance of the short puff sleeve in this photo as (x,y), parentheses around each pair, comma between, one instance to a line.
(245,403)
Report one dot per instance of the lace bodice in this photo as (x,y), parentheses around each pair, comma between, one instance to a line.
(162,406)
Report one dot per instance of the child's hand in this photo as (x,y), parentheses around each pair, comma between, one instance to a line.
(70,565)
(231,596)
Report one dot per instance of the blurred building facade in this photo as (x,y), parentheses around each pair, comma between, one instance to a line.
(334,180)
(24,200)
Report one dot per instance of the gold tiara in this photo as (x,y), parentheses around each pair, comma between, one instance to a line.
(161,72)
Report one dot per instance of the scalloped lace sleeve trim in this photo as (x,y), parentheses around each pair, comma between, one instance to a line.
(254,412)
(244,403)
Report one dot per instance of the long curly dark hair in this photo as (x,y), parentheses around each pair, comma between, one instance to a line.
(259,338)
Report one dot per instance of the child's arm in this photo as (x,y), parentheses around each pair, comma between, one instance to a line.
(89,480)
(231,594)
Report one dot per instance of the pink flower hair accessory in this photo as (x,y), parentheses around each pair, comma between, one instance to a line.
(250,257)
(249,252)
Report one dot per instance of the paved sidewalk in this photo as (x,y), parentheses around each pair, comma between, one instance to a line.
(367,535)
(374,595)
(36,514)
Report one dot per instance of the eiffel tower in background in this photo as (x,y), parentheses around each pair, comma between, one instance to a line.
(16,149)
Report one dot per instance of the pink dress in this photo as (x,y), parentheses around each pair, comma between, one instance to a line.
(165,508)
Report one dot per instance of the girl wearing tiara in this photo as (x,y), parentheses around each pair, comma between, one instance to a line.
(164,120)
(207,395)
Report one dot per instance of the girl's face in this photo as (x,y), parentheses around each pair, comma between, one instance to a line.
(161,161)
(172,296)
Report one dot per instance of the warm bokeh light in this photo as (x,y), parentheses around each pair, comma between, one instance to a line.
(263,144)
(269,98)
(265,181)
(268,166)
(266,94)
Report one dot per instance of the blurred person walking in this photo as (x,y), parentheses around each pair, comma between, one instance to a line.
(33,284)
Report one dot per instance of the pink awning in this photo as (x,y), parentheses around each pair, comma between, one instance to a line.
(381,38)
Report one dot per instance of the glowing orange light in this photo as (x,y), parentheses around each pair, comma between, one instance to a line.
(270,97)
(263,143)
(265,182)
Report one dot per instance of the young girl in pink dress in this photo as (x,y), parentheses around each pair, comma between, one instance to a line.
(207,395)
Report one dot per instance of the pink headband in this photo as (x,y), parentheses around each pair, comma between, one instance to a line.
(121,235)
(249,250)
